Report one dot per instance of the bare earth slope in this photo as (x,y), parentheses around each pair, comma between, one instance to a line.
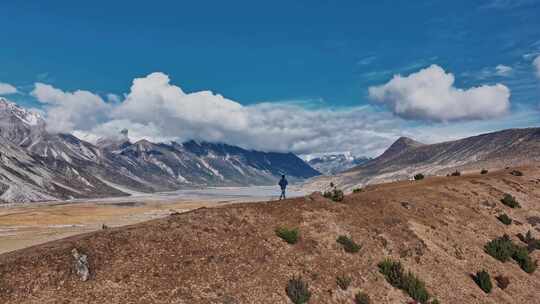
(437,228)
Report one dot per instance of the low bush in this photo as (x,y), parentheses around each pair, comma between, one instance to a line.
(456,173)
(348,244)
(289,235)
(500,248)
(392,271)
(415,288)
(505,219)
(516,173)
(510,201)
(362,298)
(483,280)
(409,282)
(335,194)
(343,282)
(298,291)
(502,281)
(357,190)
(419,176)
(484,171)
(503,249)
(521,256)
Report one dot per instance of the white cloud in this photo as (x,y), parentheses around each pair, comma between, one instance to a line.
(430,94)
(159,111)
(536,64)
(488,73)
(69,111)
(6,89)
(503,70)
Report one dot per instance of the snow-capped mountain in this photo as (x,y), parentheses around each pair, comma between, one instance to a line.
(36,165)
(17,124)
(193,163)
(330,164)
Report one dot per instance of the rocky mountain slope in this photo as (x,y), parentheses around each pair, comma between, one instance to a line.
(37,165)
(335,163)
(407,157)
(437,228)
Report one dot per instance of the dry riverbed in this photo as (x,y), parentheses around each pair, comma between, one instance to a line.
(28,225)
(31,224)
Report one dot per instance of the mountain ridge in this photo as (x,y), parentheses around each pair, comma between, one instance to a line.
(62,166)
(407,157)
(333,163)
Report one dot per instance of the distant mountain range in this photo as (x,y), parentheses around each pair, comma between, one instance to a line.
(334,163)
(36,165)
(407,157)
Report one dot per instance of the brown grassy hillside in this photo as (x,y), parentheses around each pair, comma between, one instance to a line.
(436,227)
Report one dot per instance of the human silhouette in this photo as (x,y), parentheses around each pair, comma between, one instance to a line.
(283,185)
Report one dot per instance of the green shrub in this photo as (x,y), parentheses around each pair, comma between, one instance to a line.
(415,288)
(503,249)
(456,173)
(502,281)
(419,176)
(298,291)
(343,282)
(500,248)
(362,298)
(484,171)
(483,280)
(510,201)
(289,235)
(357,190)
(348,244)
(505,219)
(395,275)
(521,256)
(516,173)
(335,194)
(393,272)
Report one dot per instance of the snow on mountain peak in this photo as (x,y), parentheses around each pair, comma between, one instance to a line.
(28,117)
(331,163)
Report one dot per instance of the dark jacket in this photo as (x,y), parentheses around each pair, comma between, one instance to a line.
(283,183)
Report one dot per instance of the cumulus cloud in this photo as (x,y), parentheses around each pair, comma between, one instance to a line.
(6,89)
(152,99)
(430,94)
(536,64)
(159,111)
(69,111)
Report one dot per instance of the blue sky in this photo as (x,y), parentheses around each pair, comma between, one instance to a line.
(311,54)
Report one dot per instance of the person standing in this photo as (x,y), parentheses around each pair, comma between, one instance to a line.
(283,185)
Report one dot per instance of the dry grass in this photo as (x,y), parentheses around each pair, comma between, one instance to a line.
(232,255)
